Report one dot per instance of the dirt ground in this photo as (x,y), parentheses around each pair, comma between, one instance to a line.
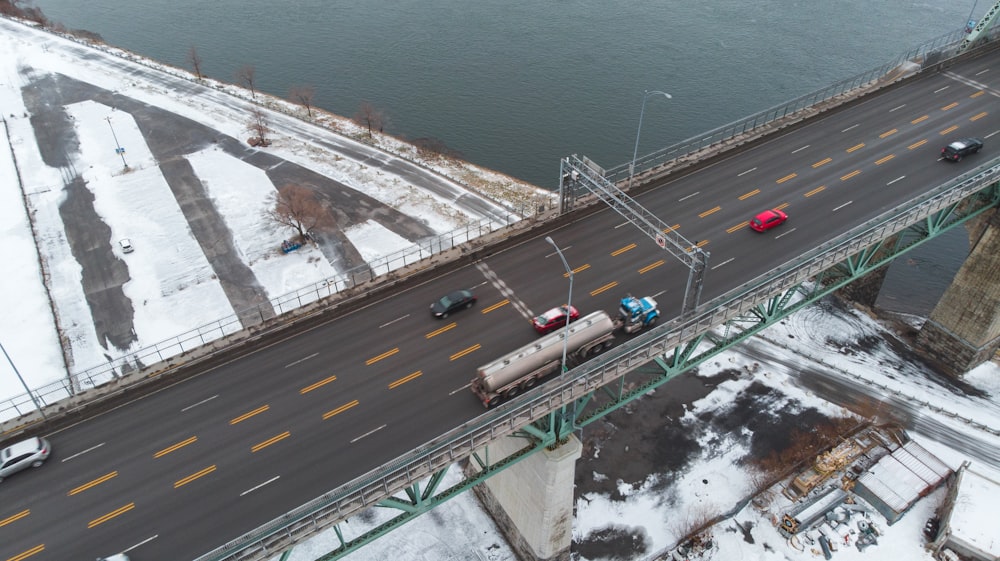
(649,437)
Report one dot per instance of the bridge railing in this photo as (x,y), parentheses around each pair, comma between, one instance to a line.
(459,443)
(934,51)
(203,335)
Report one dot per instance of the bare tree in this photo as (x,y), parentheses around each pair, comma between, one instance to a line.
(370,117)
(195,61)
(304,96)
(258,126)
(296,207)
(247,76)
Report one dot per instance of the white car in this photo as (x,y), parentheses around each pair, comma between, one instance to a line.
(126,245)
(27,453)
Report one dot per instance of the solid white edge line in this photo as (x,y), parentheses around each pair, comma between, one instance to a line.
(83,452)
(369,433)
(842,206)
(723,263)
(254,488)
(143,542)
(301,360)
(202,402)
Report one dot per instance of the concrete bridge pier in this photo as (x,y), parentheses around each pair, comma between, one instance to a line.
(532,501)
(963,331)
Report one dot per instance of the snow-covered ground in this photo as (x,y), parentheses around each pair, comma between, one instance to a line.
(666,505)
(173,288)
(171,285)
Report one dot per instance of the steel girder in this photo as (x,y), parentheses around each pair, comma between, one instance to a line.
(663,369)
(540,435)
(979,30)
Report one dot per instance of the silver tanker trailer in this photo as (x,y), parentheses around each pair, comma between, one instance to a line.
(521,369)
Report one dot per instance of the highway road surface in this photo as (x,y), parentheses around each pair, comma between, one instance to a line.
(194,465)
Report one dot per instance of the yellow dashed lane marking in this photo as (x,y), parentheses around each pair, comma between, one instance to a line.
(888,133)
(977,94)
(179,445)
(319,384)
(437,332)
(386,354)
(850,175)
(884,160)
(978,116)
(787,177)
(339,410)
(739,226)
(464,352)
(651,266)
(112,514)
(822,162)
(499,304)
(917,144)
(93,483)
(193,476)
(710,211)
(948,130)
(604,288)
(618,252)
(950,106)
(856,147)
(270,441)
(21,556)
(669,229)
(577,270)
(405,379)
(15,518)
(246,416)
(816,190)
(919,120)
(748,195)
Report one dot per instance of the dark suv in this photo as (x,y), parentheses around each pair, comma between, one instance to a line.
(961,148)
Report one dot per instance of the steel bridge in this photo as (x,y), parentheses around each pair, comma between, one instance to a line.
(553,411)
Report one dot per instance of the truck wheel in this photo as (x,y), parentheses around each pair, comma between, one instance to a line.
(529,383)
(511,393)
(651,323)
(494,401)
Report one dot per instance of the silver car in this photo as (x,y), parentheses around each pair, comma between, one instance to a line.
(24,454)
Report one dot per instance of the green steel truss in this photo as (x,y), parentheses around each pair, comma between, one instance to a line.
(559,424)
(537,436)
(640,381)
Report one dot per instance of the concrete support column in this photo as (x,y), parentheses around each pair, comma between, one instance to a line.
(532,501)
(963,331)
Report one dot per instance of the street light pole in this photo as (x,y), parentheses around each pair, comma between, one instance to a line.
(26,388)
(118,147)
(635,153)
(569,299)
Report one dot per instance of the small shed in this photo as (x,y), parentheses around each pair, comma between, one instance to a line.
(969,525)
(900,479)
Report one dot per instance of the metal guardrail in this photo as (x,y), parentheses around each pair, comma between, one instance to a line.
(932,52)
(204,335)
(459,443)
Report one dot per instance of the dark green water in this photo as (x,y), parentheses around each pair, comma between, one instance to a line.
(517,84)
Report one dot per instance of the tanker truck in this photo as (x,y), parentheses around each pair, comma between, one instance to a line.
(521,369)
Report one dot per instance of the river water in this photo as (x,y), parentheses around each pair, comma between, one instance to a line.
(514,85)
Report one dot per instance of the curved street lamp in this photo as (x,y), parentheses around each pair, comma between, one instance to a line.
(645,96)
(569,299)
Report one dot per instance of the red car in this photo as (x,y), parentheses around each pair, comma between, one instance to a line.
(554,319)
(768,219)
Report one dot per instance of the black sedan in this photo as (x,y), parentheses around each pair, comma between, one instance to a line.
(452,302)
